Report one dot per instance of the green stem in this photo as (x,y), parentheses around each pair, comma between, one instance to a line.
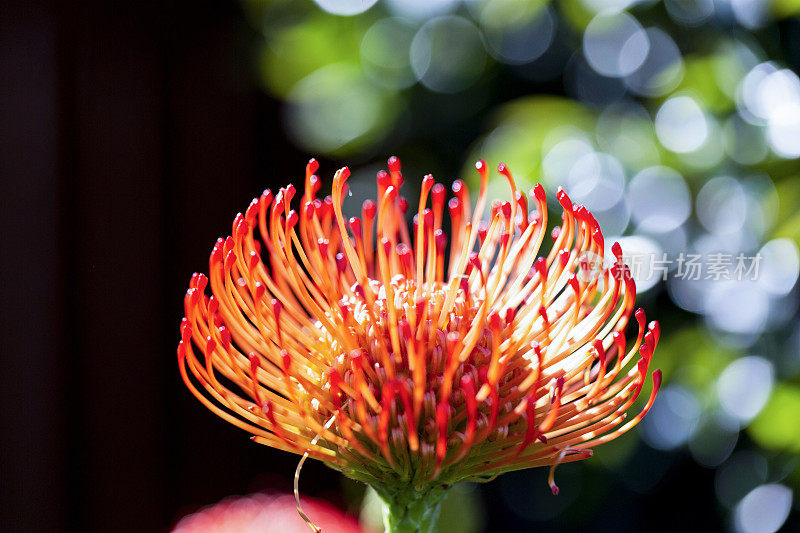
(411,511)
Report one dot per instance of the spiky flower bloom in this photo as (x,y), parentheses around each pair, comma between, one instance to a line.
(408,365)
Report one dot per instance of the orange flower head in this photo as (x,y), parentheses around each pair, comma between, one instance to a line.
(405,362)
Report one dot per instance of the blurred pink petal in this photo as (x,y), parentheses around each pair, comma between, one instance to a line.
(266,513)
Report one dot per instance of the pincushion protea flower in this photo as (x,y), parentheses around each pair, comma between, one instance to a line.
(405,365)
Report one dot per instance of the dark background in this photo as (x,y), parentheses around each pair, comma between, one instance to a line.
(130,135)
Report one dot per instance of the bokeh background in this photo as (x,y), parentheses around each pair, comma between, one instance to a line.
(131,134)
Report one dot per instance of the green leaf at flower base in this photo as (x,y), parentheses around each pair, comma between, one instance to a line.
(461,510)
(777,427)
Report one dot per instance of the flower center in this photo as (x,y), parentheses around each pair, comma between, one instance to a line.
(407,363)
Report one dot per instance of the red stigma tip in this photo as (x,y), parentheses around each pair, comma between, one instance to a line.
(194,296)
(225,336)
(597,236)
(277,307)
(394,164)
(253,260)
(564,200)
(383,178)
(573,282)
(202,281)
(316,183)
(279,206)
(655,329)
(601,352)
(640,317)
(213,305)
(495,321)
(503,169)
(261,289)
(455,207)
(616,249)
(216,254)
(539,194)
(459,189)
(646,352)
(464,285)
(289,193)
(506,210)
(649,338)
(496,204)
(312,166)
(440,240)
(292,220)
(341,262)
(483,230)
(541,267)
(355,226)
(322,244)
(475,261)
(537,349)
(369,209)
(359,290)
(405,329)
(251,212)
(229,245)
(211,345)
(230,259)
(438,193)
(309,210)
(563,257)
(186,330)
(543,313)
(238,223)
(427,216)
(286,361)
